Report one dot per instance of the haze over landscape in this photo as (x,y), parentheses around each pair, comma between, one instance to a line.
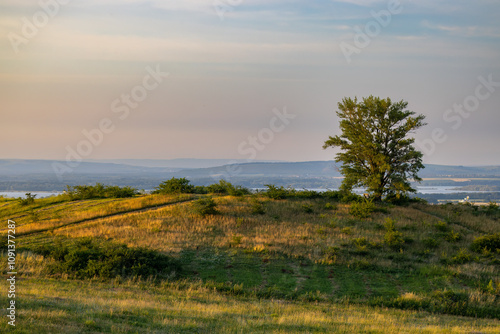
(164,166)
(232,67)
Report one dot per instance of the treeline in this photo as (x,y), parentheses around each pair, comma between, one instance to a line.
(44,182)
(183,186)
(99,191)
(223,187)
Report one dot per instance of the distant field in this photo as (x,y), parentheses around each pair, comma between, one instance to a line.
(261,265)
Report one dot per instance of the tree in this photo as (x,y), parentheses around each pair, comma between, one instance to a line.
(175,186)
(227,188)
(376,151)
(205,206)
(30,199)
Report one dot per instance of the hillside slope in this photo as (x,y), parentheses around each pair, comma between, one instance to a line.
(299,251)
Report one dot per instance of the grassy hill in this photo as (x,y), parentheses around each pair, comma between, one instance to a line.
(259,265)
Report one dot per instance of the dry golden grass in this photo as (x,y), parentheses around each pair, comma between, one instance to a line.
(52,216)
(286,229)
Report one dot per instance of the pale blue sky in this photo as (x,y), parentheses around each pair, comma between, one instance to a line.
(227,74)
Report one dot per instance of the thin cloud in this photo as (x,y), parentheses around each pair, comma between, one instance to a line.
(466,31)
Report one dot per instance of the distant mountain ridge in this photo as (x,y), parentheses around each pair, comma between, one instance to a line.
(270,169)
(31,175)
(432,170)
(23,167)
(214,168)
(182,163)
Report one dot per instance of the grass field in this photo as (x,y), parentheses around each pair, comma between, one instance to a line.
(261,265)
(69,306)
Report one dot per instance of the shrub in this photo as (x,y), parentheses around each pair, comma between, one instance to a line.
(239,191)
(461,257)
(362,209)
(392,238)
(330,206)
(453,236)
(29,200)
(360,241)
(307,208)
(257,207)
(226,188)
(236,240)
(430,242)
(441,226)
(175,186)
(308,194)
(88,258)
(205,206)
(330,255)
(332,195)
(346,230)
(361,245)
(99,191)
(398,199)
(278,193)
(492,208)
(490,242)
(85,192)
(349,197)
(200,190)
(490,288)
(390,224)
(119,192)
(445,301)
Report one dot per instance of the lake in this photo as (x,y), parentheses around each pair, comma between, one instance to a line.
(420,190)
(22,194)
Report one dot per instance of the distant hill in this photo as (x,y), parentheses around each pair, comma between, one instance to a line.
(270,169)
(178,163)
(23,167)
(38,175)
(211,167)
(460,171)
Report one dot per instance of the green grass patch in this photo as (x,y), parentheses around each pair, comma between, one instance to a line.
(92,258)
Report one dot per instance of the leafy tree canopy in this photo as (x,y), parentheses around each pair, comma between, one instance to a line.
(175,186)
(376,151)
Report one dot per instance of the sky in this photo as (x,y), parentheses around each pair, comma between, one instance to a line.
(242,79)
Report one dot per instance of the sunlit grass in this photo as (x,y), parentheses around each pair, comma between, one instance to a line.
(311,256)
(285,228)
(57,211)
(77,306)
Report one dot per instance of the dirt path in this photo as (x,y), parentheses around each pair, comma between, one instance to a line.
(116,214)
(299,277)
(334,284)
(263,274)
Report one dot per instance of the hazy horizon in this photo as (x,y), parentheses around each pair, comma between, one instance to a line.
(246,80)
(231,161)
